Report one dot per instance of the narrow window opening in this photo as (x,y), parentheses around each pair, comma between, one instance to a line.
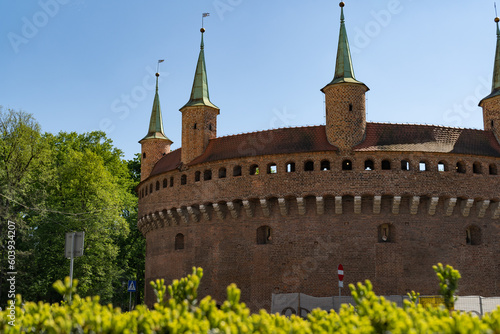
(207,175)
(386,165)
(171,181)
(325,165)
(460,167)
(476,168)
(254,170)
(346,165)
(492,124)
(222,173)
(493,169)
(195,126)
(264,235)
(146,188)
(151,188)
(210,126)
(272,168)
(422,166)
(350,107)
(384,233)
(473,235)
(405,165)
(369,165)
(144,155)
(441,167)
(179,241)
(197,176)
(157,185)
(290,167)
(237,171)
(309,166)
(183,179)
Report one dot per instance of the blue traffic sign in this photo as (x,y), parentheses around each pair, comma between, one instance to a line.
(132,286)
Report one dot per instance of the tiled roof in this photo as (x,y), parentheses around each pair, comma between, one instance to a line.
(279,141)
(428,138)
(170,161)
(379,137)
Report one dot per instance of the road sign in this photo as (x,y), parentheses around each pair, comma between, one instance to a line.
(341,272)
(77,243)
(132,286)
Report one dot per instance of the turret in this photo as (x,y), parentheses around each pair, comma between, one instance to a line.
(199,115)
(491,103)
(155,145)
(345,98)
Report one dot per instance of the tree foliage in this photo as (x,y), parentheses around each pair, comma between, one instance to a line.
(54,184)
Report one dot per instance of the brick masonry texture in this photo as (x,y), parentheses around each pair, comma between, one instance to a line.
(491,115)
(152,150)
(321,218)
(199,125)
(345,114)
(322,205)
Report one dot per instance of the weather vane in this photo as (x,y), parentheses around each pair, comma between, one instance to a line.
(202,17)
(158,67)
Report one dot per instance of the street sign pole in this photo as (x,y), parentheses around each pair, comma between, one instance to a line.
(340,271)
(131,287)
(73,248)
(71,265)
(130,302)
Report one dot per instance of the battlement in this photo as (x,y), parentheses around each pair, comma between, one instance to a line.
(234,188)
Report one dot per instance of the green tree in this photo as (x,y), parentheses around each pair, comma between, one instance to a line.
(91,193)
(24,156)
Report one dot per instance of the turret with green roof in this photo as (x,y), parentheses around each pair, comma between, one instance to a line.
(491,103)
(345,98)
(155,144)
(199,114)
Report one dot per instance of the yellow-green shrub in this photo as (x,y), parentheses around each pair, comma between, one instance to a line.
(182,313)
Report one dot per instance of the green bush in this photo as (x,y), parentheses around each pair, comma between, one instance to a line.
(183,313)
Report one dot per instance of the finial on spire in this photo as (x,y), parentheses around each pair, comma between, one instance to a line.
(343,67)
(495,87)
(199,92)
(156,122)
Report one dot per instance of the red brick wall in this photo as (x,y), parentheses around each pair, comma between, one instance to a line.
(491,112)
(310,240)
(195,138)
(344,127)
(152,150)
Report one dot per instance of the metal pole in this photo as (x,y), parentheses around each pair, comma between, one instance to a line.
(130,302)
(340,297)
(481,305)
(71,265)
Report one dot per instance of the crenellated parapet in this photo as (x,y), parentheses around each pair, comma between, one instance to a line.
(331,205)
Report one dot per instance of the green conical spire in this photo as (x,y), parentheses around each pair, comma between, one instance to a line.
(199,92)
(156,122)
(495,87)
(344,71)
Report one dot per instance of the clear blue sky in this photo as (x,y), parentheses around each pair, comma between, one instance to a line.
(81,65)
